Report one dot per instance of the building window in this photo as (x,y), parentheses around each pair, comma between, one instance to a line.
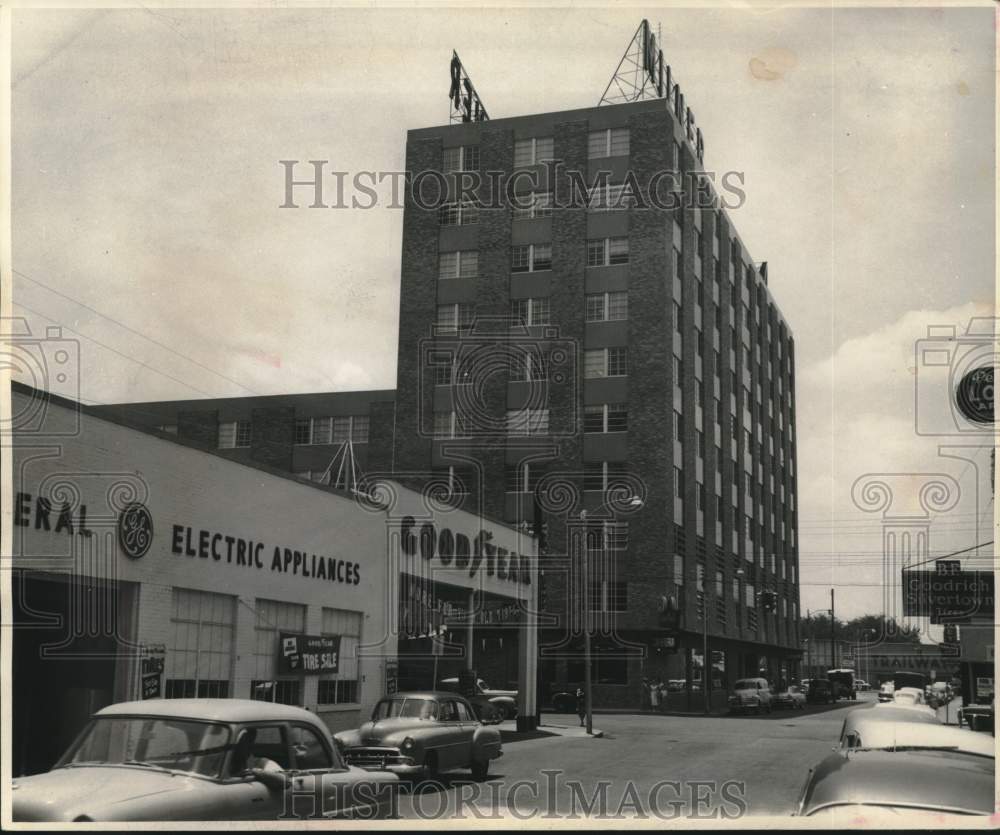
(342,687)
(447,425)
(604,475)
(531,206)
(521,478)
(459,264)
(459,214)
(527,366)
(610,197)
(464,158)
(273,617)
(527,421)
(617,362)
(604,252)
(530,258)
(455,317)
(199,662)
(322,431)
(533,151)
(605,362)
(607,307)
(612,142)
(234,434)
(607,417)
(526,312)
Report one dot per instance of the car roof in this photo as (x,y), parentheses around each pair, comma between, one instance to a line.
(425,694)
(946,780)
(215,710)
(877,732)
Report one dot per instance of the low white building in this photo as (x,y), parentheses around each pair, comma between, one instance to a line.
(146,568)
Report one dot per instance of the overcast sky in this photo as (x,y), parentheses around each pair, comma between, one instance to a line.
(147,185)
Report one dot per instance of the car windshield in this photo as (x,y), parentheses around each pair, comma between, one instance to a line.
(154,742)
(745,684)
(405,708)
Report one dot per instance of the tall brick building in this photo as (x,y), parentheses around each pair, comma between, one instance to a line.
(560,355)
(657,360)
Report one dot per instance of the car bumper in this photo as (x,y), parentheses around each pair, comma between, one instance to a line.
(382,759)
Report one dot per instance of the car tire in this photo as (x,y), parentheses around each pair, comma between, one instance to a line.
(480,770)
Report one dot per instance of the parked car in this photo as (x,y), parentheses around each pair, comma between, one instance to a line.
(750,694)
(422,733)
(201,760)
(861,718)
(938,694)
(563,698)
(820,692)
(504,700)
(842,682)
(676,685)
(804,684)
(909,696)
(897,731)
(919,783)
(979,717)
(885,691)
(861,685)
(793,697)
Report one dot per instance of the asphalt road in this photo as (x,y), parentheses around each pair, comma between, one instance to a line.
(663,767)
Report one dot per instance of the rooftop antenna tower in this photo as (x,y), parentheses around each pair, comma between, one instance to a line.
(343,471)
(642,72)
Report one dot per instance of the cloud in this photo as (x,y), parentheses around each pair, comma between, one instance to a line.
(856,416)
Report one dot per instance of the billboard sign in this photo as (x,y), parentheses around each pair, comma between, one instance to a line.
(300,655)
(948,596)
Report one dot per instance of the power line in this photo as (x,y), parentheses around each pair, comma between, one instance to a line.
(114,350)
(132,331)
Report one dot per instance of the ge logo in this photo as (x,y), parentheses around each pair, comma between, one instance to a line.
(135,530)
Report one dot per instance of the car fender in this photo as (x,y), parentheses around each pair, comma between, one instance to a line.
(486,741)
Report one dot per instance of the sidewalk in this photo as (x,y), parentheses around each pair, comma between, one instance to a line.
(550,728)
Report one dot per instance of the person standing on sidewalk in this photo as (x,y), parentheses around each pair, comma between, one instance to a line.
(581,705)
(654,695)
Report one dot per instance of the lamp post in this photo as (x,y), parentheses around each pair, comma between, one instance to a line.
(634,503)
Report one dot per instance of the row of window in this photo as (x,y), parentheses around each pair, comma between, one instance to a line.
(332,430)
(201,655)
(601,197)
(236,434)
(609,142)
(524,258)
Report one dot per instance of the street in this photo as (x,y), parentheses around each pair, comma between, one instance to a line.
(717,766)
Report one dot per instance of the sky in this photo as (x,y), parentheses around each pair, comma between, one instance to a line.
(146,194)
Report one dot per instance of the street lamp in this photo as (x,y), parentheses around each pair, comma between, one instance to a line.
(634,503)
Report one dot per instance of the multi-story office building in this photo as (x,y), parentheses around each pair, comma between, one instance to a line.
(558,356)
(573,348)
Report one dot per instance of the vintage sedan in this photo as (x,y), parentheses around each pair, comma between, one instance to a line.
(793,698)
(915,783)
(202,760)
(422,733)
(503,701)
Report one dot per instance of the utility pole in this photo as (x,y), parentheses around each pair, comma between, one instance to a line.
(833,645)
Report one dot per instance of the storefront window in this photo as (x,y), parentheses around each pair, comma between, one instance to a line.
(199,659)
(275,616)
(342,686)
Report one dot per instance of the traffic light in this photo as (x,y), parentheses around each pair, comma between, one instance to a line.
(670,616)
(768,601)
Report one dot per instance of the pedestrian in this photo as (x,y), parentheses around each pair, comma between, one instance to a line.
(647,692)
(654,695)
(581,705)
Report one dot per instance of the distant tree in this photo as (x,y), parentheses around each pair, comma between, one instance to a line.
(864,629)
(877,629)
